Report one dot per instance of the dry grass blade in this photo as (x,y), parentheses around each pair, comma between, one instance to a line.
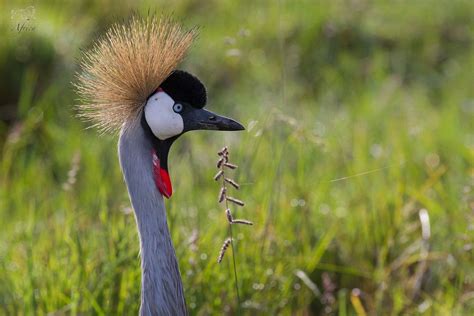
(356,302)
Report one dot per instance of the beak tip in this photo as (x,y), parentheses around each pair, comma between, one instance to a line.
(206,120)
(240,127)
(232,125)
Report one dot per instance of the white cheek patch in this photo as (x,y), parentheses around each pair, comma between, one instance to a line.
(159,114)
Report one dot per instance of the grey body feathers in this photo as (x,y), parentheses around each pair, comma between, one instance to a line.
(161,288)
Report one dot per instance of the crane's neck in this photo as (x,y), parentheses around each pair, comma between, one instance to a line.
(162,289)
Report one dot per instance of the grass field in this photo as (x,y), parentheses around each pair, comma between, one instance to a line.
(356,166)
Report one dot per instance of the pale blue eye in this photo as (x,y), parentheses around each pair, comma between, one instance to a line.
(177,107)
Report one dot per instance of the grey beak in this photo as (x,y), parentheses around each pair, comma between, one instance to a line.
(201,119)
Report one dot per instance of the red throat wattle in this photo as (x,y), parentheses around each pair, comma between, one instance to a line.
(162,178)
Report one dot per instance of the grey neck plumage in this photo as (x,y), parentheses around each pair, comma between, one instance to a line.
(162,289)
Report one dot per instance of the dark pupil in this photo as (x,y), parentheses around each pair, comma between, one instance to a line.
(178,107)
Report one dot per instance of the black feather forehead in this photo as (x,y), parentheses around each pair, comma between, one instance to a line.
(182,86)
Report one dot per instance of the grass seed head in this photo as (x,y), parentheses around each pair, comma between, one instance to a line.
(222,195)
(223,151)
(225,245)
(218,175)
(229,215)
(220,162)
(232,183)
(235,201)
(230,165)
(242,221)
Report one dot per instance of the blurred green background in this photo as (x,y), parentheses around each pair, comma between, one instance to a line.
(356,166)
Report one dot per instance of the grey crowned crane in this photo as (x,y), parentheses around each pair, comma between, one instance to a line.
(129,82)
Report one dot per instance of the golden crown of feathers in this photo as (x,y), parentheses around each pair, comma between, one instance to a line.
(126,66)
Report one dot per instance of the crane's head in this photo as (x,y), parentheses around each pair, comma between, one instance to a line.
(176,107)
(129,77)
